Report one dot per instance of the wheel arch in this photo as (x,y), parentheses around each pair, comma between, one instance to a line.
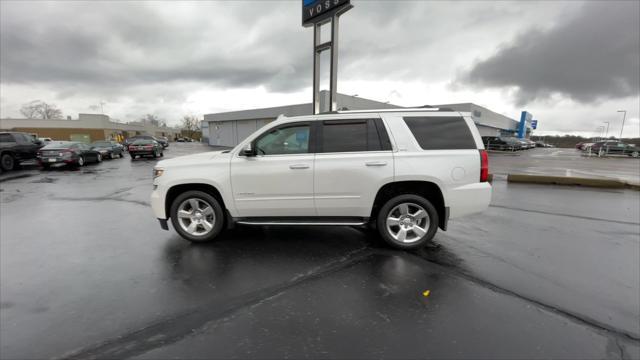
(178,189)
(427,189)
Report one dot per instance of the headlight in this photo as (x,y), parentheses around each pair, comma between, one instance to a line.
(157,172)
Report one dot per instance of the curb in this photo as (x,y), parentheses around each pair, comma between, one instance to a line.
(567,180)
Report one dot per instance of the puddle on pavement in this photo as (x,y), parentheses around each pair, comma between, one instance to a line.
(44,180)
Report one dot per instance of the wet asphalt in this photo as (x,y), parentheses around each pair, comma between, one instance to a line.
(86,272)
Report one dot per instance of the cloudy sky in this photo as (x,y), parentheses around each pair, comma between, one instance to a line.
(572,64)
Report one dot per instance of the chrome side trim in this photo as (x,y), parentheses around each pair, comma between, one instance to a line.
(300,223)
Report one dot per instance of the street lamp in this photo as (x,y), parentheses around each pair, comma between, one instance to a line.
(600,129)
(624,116)
(606,132)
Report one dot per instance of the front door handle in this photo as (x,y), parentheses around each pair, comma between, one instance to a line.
(376,163)
(298,166)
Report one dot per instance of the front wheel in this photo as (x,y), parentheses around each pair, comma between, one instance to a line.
(635,154)
(81,161)
(197,216)
(407,221)
(99,158)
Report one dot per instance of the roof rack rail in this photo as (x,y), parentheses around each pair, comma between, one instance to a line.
(388,110)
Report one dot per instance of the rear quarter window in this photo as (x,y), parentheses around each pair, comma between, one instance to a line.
(441,133)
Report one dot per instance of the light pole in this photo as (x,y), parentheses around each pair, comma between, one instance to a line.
(606,132)
(600,129)
(624,116)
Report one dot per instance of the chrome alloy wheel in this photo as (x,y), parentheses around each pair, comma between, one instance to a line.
(408,222)
(196,217)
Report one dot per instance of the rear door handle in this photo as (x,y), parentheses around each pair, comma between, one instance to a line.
(376,163)
(298,166)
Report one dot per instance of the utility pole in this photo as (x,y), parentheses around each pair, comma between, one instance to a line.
(624,116)
(607,131)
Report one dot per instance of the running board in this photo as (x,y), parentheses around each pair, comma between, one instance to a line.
(300,221)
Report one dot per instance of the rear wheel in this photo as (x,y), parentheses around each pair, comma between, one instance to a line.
(99,158)
(81,161)
(7,162)
(133,157)
(155,154)
(407,221)
(635,154)
(197,216)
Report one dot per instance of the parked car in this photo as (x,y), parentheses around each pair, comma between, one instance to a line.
(344,168)
(514,143)
(70,153)
(131,140)
(145,147)
(543,144)
(108,149)
(16,147)
(495,143)
(615,148)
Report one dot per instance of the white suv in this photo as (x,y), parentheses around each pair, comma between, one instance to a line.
(406,171)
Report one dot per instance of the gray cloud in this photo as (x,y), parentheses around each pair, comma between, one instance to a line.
(109,44)
(594,56)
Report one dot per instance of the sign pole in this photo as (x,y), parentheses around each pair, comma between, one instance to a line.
(316,69)
(333,93)
(315,13)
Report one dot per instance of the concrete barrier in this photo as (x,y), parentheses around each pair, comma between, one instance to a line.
(569,180)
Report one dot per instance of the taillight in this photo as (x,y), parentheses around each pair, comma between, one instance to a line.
(130,147)
(149,147)
(484,166)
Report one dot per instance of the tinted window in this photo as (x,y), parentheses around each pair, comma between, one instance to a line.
(353,135)
(441,133)
(292,139)
(5,138)
(344,136)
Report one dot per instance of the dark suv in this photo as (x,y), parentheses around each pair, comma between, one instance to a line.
(131,140)
(16,147)
(615,148)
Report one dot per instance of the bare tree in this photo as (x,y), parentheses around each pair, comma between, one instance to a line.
(38,109)
(153,120)
(191,125)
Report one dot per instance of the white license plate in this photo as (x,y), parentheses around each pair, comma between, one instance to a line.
(52,160)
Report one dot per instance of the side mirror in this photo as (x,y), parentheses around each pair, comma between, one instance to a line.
(247,150)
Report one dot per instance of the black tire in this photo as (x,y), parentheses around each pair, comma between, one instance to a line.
(635,154)
(204,197)
(99,158)
(381,221)
(81,161)
(155,154)
(46,167)
(161,154)
(7,162)
(121,155)
(133,157)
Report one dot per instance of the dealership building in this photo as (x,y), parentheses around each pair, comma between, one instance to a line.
(230,128)
(87,128)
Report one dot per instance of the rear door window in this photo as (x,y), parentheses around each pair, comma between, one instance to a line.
(353,136)
(6,138)
(441,132)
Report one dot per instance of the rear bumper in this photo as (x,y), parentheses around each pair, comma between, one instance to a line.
(141,153)
(468,199)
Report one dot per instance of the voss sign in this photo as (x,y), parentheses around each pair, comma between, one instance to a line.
(317,10)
